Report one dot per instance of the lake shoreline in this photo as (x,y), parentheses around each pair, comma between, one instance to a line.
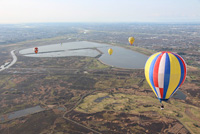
(121,58)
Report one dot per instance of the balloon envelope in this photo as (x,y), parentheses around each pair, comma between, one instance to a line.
(35,50)
(110,51)
(165,72)
(131,40)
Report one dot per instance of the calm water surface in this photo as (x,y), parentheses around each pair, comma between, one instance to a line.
(121,57)
(101,98)
(179,95)
(25,112)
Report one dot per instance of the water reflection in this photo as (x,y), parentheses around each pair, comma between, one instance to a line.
(121,57)
(25,112)
(179,95)
(101,98)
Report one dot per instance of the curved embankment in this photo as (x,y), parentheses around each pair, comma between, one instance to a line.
(121,58)
(10,64)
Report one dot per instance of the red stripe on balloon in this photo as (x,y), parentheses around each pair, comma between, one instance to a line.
(166,52)
(161,92)
(155,71)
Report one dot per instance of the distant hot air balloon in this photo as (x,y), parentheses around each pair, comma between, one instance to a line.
(35,50)
(131,40)
(110,51)
(165,72)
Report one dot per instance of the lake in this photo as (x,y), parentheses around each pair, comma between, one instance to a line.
(25,112)
(21,113)
(179,95)
(101,98)
(121,57)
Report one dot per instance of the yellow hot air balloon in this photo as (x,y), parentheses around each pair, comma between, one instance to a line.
(110,51)
(131,40)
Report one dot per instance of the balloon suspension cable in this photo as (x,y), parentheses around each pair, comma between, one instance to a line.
(162,106)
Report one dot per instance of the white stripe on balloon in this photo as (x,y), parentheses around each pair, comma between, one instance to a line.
(161,71)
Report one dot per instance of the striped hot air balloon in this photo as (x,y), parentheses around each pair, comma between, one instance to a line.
(165,72)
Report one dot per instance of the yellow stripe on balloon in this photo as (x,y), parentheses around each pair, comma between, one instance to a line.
(175,74)
(147,67)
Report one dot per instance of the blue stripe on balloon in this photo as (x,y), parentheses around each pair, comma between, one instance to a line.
(151,72)
(163,99)
(182,73)
(166,75)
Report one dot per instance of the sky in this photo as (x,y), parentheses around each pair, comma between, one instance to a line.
(30,11)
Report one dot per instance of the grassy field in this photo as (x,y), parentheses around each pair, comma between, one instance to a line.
(67,79)
(139,104)
(94,63)
(141,50)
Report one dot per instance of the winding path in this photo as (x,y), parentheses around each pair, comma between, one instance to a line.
(12,63)
(64,115)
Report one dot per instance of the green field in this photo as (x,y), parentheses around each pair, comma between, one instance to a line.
(135,104)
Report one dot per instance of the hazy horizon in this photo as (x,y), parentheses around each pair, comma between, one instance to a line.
(29,23)
(93,11)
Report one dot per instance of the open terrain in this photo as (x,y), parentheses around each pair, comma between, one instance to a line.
(82,95)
